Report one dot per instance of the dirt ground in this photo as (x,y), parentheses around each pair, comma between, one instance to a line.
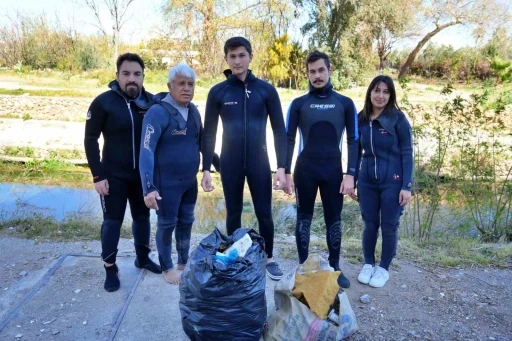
(418,303)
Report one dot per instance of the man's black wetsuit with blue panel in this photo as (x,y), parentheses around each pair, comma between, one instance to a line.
(322,115)
(244,107)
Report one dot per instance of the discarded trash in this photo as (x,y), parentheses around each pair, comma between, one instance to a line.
(293,320)
(227,259)
(241,245)
(219,303)
(77,291)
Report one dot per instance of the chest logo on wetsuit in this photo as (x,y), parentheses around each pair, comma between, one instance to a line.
(147,137)
(396,177)
(179,132)
(383,131)
(322,106)
(230,103)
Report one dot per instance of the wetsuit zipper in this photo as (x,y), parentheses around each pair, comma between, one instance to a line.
(245,125)
(133,132)
(373,151)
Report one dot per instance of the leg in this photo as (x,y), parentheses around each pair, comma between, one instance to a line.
(390,217)
(141,228)
(260,186)
(369,202)
(165,227)
(184,228)
(305,192)
(233,186)
(114,206)
(332,202)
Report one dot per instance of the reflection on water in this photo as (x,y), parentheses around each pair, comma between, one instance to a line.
(60,202)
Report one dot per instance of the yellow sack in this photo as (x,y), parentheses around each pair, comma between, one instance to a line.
(317,290)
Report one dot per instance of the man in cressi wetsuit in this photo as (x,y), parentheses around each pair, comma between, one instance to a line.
(117,114)
(244,102)
(169,162)
(322,116)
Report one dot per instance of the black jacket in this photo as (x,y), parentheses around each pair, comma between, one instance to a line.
(244,108)
(119,119)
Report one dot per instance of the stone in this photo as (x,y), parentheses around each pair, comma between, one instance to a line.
(365,298)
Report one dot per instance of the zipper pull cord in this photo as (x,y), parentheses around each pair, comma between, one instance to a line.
(247,92)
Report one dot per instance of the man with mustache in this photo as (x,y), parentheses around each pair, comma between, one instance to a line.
(117,115)
(322,116)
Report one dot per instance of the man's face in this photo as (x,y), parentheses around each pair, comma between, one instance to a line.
(182,89)
(238,60)
(130,78)
(318,73)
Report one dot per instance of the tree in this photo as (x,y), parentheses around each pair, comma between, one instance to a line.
(278,65)
(443,14)
(119,15)
(204,25)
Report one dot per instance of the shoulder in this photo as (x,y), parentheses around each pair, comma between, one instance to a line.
(106,101)
(218,88)
(344,100)
(264,86)
(298,102)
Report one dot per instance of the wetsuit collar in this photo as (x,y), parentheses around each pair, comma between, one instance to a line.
(143,100)
(322,92)
(387,120)
(229,75)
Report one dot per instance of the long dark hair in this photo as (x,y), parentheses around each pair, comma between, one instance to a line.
(366,113)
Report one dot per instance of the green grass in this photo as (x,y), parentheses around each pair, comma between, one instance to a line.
(47,92)
(19,151)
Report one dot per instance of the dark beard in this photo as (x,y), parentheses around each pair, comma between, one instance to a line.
(131,91)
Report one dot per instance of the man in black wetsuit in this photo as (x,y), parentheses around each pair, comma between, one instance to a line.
(322,115)
(244,103)
(117,114)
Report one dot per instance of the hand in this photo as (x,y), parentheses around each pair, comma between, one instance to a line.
(279,179)
(289,188)
(150,200)
(101,187)
(347,185)
(405,197)
(206,182)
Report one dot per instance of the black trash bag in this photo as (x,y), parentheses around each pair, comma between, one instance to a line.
(219,303)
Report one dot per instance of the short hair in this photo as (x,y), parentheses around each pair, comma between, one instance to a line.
(317,55)
(131,57)
(181,69)
(233,43)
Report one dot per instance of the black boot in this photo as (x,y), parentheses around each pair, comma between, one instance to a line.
(143,261)
(112,281)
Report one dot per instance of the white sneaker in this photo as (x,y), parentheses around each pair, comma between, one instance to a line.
(379,278)
(366,274)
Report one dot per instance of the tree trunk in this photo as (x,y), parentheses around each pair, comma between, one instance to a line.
(412,56)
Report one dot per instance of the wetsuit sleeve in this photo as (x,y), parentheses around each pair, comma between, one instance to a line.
(152,127)
(351,126)
(292,123)
(209,136)
(94,124)
(404,133)
(277,122)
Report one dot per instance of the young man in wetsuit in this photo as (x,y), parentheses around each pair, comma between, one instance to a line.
(245,102)
(322,116)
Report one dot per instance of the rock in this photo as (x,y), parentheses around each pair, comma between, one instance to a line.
(84,323)
(48,322)
(442,294)
(55,332)
(365,298)
(23,273)
(404,286)
(290,239)
(19,336)
(431,298)
(491,338)
(77,291)
(41,330)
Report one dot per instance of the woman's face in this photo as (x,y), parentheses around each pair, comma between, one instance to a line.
(380,96)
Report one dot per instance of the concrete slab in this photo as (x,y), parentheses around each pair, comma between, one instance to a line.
(72,304)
